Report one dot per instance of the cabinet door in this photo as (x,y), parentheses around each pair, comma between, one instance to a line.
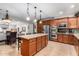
(62,20)
(72,22)
(65,38)
(46,40)
(54,22)
(59,37)
(71,39)
(78,22)
(24,47)
(38,43)
(32,47)
(43,41)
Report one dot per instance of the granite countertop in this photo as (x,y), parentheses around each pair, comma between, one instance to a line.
(66,33)
(32,35)
(76,35)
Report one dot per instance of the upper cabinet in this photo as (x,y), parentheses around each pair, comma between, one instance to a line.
(72,22)
(57,22)
(62,20)
(46,22)
(54,22)
(78,22)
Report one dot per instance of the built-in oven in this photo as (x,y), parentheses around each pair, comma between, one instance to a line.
(53,36)
(62,28)
(53,32)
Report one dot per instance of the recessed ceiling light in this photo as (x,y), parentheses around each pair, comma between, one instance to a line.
(61,12)
(72,6)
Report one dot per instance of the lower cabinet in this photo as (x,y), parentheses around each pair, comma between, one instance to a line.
(43,41)
(32,46)
(66,38)
(59,37)
(39,44)
(71,39)
(46,40)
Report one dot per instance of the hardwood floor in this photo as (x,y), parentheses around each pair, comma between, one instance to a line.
(52,49)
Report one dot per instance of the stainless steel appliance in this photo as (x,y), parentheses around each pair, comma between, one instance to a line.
(51,31)
(62,28)
(46,29)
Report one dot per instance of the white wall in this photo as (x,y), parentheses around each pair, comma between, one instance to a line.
(19,25)
(30,28)
(16,25)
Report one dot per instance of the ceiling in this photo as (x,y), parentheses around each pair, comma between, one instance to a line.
(18,11)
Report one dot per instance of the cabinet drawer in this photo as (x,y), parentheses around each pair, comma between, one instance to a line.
(38,40)
(32,43)
(32,40)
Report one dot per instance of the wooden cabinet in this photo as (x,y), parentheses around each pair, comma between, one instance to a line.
(46,38)
(39,44)
(62,38)
(72,22)
(71,39)
(43,41)
(59,37)
(57,22)
(24,47)
(54,22)
(40,26)
(67,38)
(28,47)
(62,20)
(31,46)
(78,22)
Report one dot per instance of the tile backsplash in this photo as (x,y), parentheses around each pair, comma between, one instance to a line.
(76,30)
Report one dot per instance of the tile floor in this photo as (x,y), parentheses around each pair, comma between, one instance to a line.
(57,49)
(52,49)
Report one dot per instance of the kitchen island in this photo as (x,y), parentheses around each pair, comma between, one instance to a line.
(31,44)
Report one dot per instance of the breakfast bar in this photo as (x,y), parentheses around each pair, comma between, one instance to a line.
(31,44)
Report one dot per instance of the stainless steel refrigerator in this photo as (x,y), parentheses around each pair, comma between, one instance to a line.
(46,29)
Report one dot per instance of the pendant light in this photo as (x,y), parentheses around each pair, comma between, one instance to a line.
(40,17)
(35,20)
(28,15)
(7,18)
